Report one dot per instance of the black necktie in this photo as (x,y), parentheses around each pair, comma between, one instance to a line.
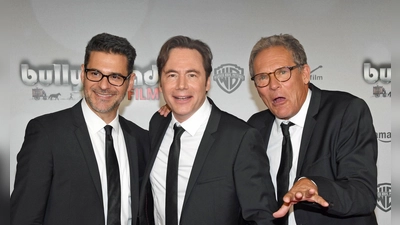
(282,179)
(171,195)
(113,181)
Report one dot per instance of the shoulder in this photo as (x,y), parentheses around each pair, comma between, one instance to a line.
(232,119)
(157,119)
(341,100)
(134,127)
(231,123)
(54,119)
(226,121)
(258,119)
(333,101)
(261,115)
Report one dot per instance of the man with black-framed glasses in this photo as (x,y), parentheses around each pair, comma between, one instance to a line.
(83,165)
(321,145)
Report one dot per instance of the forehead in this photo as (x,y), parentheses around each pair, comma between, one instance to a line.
(108,62)
(272,58)
(184,58)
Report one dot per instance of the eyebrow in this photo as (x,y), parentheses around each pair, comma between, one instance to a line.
(273,71)
(112,73)
(187,71)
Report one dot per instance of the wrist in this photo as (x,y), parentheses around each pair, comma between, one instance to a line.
(309,179)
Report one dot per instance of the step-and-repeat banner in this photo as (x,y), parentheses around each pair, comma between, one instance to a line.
(346,42)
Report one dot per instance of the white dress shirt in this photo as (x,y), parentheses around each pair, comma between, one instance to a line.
(190,141)
(275,146)
(97,136)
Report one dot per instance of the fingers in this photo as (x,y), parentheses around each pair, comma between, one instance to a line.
(304,190)
(164,110)
(282,211)
(310,193)
(293,197)
(296,196)
(307,195)
(321,201)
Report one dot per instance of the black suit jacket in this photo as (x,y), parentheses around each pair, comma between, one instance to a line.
(338,151)
(57,179)
(229,183)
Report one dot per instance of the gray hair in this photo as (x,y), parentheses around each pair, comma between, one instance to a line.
(285,40)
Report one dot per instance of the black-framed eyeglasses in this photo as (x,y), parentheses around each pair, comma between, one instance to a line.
(282,74)
(114,78)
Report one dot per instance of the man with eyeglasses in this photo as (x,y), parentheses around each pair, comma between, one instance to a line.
(83,165)
(323,161)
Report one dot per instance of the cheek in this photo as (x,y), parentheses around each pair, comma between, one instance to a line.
(123,90)
(82,77)
(162,85)
(85,86)
(262,93)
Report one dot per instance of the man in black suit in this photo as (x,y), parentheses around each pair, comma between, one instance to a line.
(222,172)
(61,173)
(333,176)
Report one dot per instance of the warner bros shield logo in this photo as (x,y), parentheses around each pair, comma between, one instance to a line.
(228,77)
(384,201)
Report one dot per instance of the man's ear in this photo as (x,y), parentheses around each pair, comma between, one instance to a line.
(82,73)
(208,83)
(305,73)
(131,81)
(130,90)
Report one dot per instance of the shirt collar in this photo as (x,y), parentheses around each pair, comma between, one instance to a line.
(300,118)
(192,124)
(94,122)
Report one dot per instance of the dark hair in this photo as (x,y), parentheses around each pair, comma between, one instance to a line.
(185,42)
(111,44)
(285,40)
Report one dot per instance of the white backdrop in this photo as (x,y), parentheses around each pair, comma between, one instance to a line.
(347,44)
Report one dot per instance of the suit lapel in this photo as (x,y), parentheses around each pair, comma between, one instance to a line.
(131,147)
(266,130)
(204,147)
(156,140)
(309,125)
(156,137)
(83,137)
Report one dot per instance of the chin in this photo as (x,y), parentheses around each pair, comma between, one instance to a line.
(280,115)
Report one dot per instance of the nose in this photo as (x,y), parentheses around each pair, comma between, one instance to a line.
(273,83)
(182,82)
(104,84)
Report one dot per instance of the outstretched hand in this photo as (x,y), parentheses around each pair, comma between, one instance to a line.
(303,190)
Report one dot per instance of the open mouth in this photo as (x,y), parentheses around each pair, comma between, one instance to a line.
(279,100)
